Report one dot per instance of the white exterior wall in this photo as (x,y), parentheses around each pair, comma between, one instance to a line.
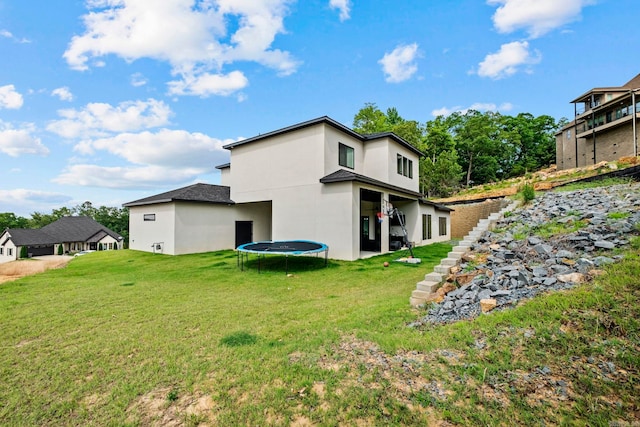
(288,162)
(142,234)
(9,246)
(106,240)
(332,140)
(203,227)
(225,177)
(319,212)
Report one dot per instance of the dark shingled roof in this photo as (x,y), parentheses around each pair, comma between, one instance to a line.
(76,229)
(342,175)
(328,121)
(204,193)
(65,229)
(29,237)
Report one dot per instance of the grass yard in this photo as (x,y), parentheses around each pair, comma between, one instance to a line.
(130,338)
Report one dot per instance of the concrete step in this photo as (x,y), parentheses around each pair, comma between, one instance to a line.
(459,249)
(434,277)
(449,262)
(416,302)
(427,286)
(442,269)
(455,255)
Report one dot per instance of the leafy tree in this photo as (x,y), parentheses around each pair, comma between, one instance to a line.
(10,220)
(535,137)
(370,120)
(441,177)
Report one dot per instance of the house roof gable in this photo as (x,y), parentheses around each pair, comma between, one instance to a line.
(203,193)
(330,122)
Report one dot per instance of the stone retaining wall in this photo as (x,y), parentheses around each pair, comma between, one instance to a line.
(465,216)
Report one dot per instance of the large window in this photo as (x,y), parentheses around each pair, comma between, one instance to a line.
(426,227)
(346,156)
(442,226)
(405,166)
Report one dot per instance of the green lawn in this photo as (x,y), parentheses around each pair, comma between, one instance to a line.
(129,338)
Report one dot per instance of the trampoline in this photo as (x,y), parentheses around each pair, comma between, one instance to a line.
(283,247)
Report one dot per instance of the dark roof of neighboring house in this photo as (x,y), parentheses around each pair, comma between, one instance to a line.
(329,121)
(204,193)
(77,229)
(29,237)
(65,229)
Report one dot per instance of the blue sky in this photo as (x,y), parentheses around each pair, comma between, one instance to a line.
(113,100)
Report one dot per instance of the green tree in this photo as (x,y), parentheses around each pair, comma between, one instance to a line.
(370,120)
(441,177)
(10,220)
(534,138)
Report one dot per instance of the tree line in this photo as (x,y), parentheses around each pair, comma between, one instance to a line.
(469,147)
(115,219)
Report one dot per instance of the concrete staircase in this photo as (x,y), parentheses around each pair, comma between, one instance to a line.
(432,281)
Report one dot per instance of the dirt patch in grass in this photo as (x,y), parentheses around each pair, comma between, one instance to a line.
(168,408)
(16,269)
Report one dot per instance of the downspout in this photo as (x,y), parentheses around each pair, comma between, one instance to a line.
(575,130)
(635,118)
(593,129)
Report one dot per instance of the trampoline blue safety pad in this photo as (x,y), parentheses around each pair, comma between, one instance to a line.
(282,247)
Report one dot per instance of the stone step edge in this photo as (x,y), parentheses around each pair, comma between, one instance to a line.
(434,280)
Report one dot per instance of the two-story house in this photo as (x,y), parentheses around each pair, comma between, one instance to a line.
(317,180)
(604,128)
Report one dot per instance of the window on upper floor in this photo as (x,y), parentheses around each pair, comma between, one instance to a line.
(346,156)
(149,217)
(405,166)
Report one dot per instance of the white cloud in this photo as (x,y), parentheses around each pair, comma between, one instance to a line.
(25,199)
(478,106)
(199,44)
(100,119)
(16,142)
(507,60)
(209,84)
(399,65)
(344,6)
(10,98)
(164,157)
(63,93)
(537,17)
(137,80)
(7,34)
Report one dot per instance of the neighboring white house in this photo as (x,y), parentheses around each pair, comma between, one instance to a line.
(73,233)
(317,180)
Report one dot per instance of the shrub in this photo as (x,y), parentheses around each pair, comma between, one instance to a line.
(23,252)
(528,193)
(60,250)
(99,246)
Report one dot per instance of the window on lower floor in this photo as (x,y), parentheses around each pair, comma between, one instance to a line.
(149,217)
(1,251)
(346,156)
(10,251)
(426,227)
(442,226)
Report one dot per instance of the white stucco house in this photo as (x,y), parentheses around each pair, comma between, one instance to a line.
(317,180)
(71,233)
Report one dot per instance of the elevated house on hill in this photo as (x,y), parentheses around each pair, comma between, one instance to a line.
(317,180)
(72,233)
(604,128)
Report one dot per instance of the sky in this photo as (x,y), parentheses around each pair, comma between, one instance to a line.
(109,101)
